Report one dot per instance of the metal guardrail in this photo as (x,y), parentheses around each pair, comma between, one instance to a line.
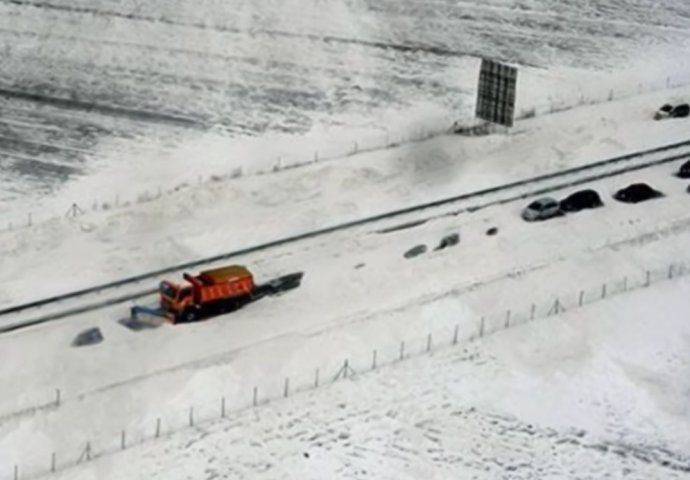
(343,226)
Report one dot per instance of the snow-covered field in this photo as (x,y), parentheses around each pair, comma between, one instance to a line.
(164,121)
(358,294)
(599,392)
(136,86)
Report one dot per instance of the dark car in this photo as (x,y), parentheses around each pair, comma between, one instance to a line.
(684,170)
(667,110)
(680,111)
(636,192)
(581,200)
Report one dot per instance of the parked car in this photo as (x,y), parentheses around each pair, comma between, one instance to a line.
(684,170)
(636,192)
(541,209)
(581,200)
(670,111)
(680,111)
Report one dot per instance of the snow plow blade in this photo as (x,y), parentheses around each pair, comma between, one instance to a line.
(141,318)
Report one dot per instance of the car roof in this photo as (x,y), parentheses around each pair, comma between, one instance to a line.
(543,200)
(580,192)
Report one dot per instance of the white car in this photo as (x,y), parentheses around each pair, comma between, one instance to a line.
(541,209)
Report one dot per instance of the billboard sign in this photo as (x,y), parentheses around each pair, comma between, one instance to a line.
(496,92)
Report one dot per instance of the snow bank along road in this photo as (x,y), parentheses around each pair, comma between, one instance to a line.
(595,393)
(270,67)
(22,316)
(330,317)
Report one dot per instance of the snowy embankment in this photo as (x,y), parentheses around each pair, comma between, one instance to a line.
(133,378)
(343,75)
(199,221)
(359,294)
(599,391)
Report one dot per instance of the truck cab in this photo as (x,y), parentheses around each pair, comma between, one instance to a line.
(175,298)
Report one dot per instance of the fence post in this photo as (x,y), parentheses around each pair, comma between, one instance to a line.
(57,397)
(316,155)
(346,367)
(123,443)
(603,290)
(191,416)
(533,311)
(581,298)
(29,219)
(356,147)
(286,390)
(16,472)
(52,462)
(428,343)
(648,279)
(373,360)
(481,327)
(556,309)
(670,271)
(86,453)
(316,379)
(402,349)
(256,396)
(625,284)
(507,324)
(222,407)
(455,335)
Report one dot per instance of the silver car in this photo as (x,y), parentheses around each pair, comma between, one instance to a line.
(541,209)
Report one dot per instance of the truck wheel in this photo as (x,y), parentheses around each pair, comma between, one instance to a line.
(189,316)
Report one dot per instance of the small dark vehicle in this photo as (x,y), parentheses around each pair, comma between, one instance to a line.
(636,192)
(581,200)
(684,170)
(667,110)
(680,111)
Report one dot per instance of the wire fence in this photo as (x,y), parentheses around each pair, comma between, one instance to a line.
(561,102)
(567,100)
(223,406)
(281,163)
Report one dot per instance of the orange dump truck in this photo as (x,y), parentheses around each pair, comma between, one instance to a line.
(212,292)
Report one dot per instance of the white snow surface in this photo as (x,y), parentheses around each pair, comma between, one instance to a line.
(340,311)
(282,82)
(599,392)
(216,217)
